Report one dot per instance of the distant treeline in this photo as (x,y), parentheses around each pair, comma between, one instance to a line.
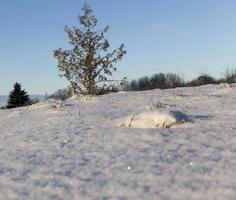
(172,80)
(160,80)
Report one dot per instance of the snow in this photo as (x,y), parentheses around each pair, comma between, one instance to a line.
(75,150)
(224,86)
(47,104)
(150,119)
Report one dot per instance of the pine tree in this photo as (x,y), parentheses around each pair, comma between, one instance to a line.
(17,97)
(88,64)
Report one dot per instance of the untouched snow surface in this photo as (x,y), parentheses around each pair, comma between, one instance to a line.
(74,149)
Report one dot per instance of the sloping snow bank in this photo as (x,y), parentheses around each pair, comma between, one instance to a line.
(48,104)
(150,119)
(224,86)
(81,98)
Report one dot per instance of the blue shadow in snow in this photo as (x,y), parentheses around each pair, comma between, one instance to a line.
(182,117)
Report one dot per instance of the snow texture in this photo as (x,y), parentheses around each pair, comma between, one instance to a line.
(74,150)
(151,119)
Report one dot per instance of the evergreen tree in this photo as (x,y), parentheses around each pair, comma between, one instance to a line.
(17,97)
(88,64)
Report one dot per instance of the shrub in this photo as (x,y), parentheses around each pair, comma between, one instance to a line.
(144,83)
(229,76)
(203,79)
(158,81)
(124,84)
(174,80)
(162,81)
(61,94)
(31,102)
(133,85)
(107,89)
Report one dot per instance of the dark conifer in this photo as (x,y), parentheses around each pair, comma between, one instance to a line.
(17,97)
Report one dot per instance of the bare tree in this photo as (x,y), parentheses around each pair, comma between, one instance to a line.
(88,64)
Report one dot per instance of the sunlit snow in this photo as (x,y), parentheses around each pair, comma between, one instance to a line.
(76,150)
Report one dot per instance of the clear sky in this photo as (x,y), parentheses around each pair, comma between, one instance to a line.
(188,37)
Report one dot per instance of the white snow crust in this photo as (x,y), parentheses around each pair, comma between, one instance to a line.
(74,150)
(149,119)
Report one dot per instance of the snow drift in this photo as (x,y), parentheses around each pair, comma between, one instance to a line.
(47,104)
(224,86)
(150,119)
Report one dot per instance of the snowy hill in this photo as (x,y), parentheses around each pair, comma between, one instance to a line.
(79,150)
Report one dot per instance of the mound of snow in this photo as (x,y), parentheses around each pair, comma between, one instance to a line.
(224,86)
(151,119)
(81,98)
(48,104)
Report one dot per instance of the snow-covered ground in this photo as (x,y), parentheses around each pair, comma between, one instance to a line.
(78,150)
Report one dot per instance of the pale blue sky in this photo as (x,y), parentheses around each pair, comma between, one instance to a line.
(188,37)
